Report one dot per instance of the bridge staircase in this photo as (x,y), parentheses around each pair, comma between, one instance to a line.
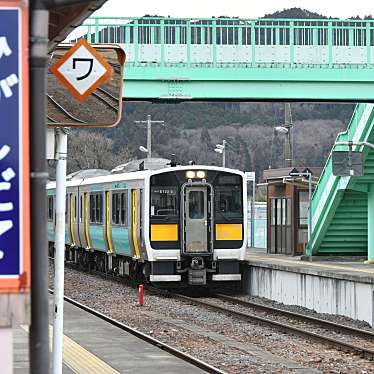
(342,207)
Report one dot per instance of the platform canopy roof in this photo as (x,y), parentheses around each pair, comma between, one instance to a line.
(63,19)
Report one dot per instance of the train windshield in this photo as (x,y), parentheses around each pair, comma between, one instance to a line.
(228,196)
(164,201)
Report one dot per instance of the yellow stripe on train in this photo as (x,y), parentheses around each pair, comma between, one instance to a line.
(229,231)
(164,233)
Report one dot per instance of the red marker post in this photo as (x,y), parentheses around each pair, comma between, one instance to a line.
(141,294)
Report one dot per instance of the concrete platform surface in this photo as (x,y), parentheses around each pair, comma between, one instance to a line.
(354,270)
(91,345)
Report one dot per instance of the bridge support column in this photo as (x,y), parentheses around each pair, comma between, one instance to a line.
(371,224)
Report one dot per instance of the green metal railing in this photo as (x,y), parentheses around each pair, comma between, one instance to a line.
(329,185)
(327,171)
(327,40)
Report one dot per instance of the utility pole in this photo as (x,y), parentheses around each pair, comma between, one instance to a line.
(149,123)
(288,142)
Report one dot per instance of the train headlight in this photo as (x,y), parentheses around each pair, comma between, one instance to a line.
(200,174)
(190,174)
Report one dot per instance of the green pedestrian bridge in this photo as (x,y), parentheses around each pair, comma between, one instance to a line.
(171,59)
(241,59)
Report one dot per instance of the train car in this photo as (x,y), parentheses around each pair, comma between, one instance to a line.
(182,225)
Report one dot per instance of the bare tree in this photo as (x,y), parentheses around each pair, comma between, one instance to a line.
(91,150)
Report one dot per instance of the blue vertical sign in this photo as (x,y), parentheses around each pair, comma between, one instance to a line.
(10,140)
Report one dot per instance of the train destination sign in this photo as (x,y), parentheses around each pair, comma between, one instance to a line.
(82,69)
(14,149)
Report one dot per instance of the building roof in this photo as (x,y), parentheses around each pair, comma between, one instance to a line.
(64,19)
(271,174)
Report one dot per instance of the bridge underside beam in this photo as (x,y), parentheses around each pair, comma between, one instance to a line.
(238,83)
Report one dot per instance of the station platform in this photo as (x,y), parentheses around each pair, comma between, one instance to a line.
(333,286)
(92,345)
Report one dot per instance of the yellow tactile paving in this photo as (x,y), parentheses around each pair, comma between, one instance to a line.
(310,264)
(78,359)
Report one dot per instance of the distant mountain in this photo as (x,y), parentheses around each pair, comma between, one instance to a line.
(298,13)
(295,13)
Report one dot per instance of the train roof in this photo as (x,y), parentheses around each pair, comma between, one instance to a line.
(138,175)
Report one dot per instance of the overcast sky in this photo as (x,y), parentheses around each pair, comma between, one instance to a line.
(233,8)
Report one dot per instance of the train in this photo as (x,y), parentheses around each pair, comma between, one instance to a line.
(172,226)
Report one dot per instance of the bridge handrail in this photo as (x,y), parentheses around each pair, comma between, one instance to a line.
(237,19)
(334,43)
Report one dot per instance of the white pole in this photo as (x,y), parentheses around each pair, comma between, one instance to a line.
(58,309)
(224,154)
(6,349)
(253,212)
(149,136)
(310,205)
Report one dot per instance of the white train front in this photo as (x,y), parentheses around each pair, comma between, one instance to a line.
(182,225)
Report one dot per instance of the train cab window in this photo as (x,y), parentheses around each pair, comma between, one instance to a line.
(228,201)
(96,208)
(119,208)
(164,201)
(50,208)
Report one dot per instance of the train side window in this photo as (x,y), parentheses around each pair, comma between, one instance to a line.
(81,208)
(124,208)
(50,208)
(75,208)
(92,208)
(66,207)
(99,208)
(115,208)
(119,208)
(97,218)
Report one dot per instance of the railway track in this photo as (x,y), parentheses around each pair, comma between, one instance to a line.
(165,347)
(287,327)
(213,303)
(301,317)
(63,111)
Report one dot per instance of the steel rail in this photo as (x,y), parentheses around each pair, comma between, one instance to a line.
(105,101)
(340,345)
(108,93)
(67,113)
(322,322)
(157,343)
(51,119)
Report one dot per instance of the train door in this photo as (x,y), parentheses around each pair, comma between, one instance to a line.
(74,222)
(136,222)
(82,221)
(196,219)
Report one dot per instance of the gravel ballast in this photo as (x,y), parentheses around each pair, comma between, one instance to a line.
(223,341)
